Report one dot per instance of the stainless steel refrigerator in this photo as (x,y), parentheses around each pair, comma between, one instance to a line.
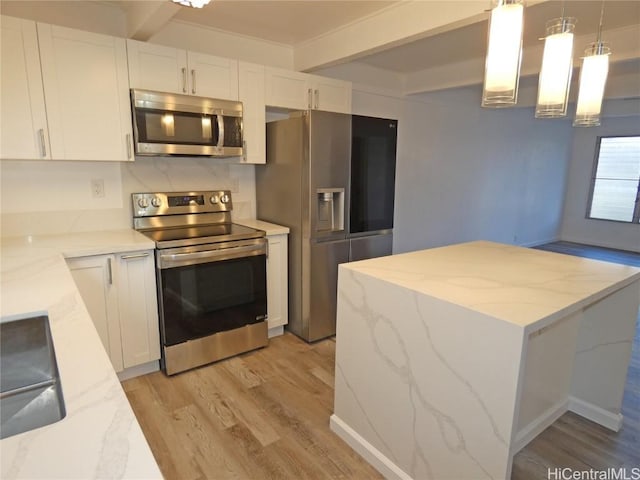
(307,184)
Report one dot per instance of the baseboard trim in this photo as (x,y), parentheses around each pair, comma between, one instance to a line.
(597,243)
(612,421)
(275,331)
(367,451)
(138,370)
(537,426)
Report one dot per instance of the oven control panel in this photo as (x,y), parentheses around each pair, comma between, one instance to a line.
(174,203)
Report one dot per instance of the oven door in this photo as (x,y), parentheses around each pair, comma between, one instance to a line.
(207,289)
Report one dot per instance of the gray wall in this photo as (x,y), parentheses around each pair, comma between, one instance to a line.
(468,173)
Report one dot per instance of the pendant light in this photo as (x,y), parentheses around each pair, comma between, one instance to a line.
(557,65)
(504,53)
(593,77)
(192,3)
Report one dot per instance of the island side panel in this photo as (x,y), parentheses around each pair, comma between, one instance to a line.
(603,353)
(546,379)
(426,388)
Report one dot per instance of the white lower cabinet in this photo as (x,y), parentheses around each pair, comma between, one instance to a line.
(94,279)
(138,308)
(277,278)
(119,292)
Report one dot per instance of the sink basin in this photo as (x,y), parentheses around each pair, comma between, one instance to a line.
(30,390)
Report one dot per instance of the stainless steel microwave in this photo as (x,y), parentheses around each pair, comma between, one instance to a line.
(172,124)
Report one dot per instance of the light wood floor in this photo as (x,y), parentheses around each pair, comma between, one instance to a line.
(265,415)
(261,415)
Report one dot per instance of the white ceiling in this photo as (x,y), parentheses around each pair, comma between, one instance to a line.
(290,22)
(470,41)
(432,44)
(293,22)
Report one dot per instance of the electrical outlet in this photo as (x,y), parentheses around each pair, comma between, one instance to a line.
(97,188)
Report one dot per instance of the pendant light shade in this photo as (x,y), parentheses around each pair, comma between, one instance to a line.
(593,77)
(192,3)
(557,65)
(504,52)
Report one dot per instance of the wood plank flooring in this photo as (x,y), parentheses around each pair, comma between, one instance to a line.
(265,415)
(261,415)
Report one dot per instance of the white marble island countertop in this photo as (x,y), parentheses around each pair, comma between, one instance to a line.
(523,286)
(99,437)
(450,360)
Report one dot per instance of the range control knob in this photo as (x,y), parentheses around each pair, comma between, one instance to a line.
(214,199)
(143,202)
(224,198)
(156,201)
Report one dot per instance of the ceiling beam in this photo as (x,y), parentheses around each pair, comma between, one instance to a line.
(401,23)
(625,44)
(145,19)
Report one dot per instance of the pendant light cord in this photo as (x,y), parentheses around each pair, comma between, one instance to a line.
(599,38)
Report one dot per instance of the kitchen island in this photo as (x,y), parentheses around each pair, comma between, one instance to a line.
(450,360)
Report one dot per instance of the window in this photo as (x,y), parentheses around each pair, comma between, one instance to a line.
(615,187)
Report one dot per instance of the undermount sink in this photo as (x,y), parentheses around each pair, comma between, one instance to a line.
(30,390)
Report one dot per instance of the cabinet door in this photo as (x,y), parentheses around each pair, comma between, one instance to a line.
(94,278)
(87,94)
(211,76)
(277,293)
(251,94)
(23,121)
(331,95)
(155,67)
(287,89)
(138,308)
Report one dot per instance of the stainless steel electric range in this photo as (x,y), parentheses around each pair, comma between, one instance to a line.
(211,277)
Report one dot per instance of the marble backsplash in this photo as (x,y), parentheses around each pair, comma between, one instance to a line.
(51,197)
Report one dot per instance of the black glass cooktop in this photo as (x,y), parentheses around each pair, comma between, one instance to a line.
(201,234)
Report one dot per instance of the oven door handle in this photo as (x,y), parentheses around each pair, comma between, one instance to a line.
(172,260)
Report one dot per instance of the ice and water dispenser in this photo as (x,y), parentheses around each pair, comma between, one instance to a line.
(330,205)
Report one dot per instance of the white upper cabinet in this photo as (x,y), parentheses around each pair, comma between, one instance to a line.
(87,94)
(301,91)
(154,67)
(287,89)
(251,93)
(211,76)
(23,122)
(331,95)
(167,69)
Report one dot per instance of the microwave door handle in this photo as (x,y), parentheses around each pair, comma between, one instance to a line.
(220,130)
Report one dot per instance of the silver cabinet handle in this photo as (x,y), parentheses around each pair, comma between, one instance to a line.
(43,145)
(109,271)
(220,130)
(317,95)
(244,150)
(127,139)
(184,80)
(193,81)
(310,101)
(136,255)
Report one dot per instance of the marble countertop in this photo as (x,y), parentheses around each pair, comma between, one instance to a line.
(527,287)
(99,436)
(269,228)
